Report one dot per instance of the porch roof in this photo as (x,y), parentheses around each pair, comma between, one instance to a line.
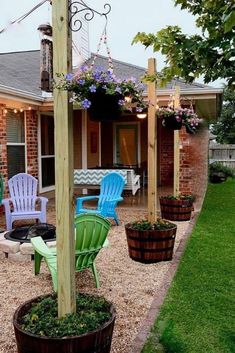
(20,80)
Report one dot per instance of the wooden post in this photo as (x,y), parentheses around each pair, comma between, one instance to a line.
(152,145)
(62,63)
(176,147)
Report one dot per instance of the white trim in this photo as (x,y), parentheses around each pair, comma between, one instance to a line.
(16,144)
(84,139)
(40,157)
(5,90)
(137,123)
(25,143)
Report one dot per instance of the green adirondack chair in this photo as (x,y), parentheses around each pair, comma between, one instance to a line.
(90,237)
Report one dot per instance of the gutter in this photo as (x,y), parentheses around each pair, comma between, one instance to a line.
(5,90)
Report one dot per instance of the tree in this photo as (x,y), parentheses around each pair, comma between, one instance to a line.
(211,54)
(224,129)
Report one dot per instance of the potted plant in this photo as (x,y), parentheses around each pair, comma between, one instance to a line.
(219,172)
(177,208)
(104,95)
(175,118)
(39,330)
(171,120)
(150,242)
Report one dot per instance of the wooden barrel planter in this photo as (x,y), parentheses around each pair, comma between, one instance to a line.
(176,210)
(95,341)
(150,246)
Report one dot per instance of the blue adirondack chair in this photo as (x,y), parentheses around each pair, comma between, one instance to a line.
(110,194)
(23,197)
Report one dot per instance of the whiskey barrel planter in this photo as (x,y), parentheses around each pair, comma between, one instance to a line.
(150,246)
(98,340)
(176,210)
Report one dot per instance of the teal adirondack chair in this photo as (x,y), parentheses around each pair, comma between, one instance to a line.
(110,194)
(90,237)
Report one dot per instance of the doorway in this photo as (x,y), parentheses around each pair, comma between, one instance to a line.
(127,144)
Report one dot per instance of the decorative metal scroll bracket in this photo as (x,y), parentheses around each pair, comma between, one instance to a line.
(77,8)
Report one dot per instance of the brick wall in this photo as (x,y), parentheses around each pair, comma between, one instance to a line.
(166,155)
(194,161)
(32,142)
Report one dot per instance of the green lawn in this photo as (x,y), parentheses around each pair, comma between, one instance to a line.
(198,314)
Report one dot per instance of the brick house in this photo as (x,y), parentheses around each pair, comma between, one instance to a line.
(27,128)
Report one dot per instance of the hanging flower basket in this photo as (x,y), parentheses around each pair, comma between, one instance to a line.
(171,123)
(99,91)
(104,107)
(174,119)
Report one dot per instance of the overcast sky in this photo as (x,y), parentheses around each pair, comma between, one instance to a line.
(127,17)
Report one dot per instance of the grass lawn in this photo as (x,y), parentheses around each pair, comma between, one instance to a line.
(198,313)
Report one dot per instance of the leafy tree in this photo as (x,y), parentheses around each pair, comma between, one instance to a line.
(211,54)
(224,129)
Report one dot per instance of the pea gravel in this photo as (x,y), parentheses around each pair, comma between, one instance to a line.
(128,284)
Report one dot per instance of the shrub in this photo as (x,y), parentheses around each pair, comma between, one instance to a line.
(217,167)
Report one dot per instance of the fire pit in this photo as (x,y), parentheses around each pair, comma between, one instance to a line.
(23,234)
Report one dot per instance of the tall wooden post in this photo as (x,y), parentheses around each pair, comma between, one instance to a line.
(152,145)
(176,147)
(62,63)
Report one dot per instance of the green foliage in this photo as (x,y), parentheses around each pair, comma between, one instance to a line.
(189,197)
(42,319)
(210,54)
(197,310)
(185,116)
(85,83)
(224,129)
(217,167)
(144,224)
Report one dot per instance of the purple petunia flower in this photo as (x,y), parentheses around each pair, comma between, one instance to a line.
(121,102)
(81,81)
(86,104)
(92,88)
(69,77)
(139,109)
(118,89)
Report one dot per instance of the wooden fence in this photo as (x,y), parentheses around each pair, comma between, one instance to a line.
(225,154)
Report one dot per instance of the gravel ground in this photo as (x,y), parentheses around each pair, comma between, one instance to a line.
(128,284)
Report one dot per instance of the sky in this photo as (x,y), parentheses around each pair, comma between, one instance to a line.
(126,18)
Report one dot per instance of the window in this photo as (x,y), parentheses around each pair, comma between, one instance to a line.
(15,143)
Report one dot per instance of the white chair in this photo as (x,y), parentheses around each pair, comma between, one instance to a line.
(23,199)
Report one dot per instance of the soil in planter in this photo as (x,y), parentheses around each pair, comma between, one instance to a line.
(176,210)
(150,246)
(38,330)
